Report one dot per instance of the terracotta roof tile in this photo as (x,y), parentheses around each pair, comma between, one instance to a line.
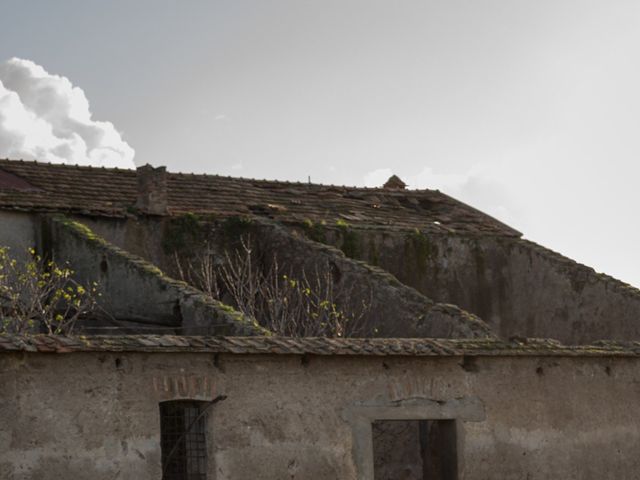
(112,192)
(312,346)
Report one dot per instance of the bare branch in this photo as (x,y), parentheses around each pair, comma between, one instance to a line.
(290,305)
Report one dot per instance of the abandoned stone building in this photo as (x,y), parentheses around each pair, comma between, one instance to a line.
(470,353)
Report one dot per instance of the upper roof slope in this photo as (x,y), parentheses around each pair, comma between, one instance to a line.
(112,192)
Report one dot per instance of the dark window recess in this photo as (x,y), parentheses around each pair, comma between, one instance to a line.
(415,450)
(183,440)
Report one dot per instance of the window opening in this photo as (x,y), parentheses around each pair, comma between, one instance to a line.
(183,441)
(415,450)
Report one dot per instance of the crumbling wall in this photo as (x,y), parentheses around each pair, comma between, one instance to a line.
(394,309)
(96,415)
(517,287)
(139,235)
(135,293)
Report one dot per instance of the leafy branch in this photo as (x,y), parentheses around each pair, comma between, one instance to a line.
(38,292)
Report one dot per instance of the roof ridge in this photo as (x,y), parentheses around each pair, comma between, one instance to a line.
(218,176)
(299,183)
(65,165)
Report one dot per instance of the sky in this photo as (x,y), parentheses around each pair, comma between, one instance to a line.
(527,110)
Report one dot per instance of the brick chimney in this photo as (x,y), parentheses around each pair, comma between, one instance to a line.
(153,193)
(394,183)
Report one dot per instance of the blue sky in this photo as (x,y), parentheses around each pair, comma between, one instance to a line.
(527,110)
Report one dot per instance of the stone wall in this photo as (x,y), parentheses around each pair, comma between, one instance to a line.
(96,415)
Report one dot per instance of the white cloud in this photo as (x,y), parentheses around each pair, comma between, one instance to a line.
(44,117)
(481,187)
(376,178)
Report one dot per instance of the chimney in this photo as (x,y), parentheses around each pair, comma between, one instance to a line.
(152,190)
(394,183)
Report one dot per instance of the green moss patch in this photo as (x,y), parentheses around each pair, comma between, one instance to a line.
(234,228)
(350,244)
(420,249)
(315,231)
(182,232)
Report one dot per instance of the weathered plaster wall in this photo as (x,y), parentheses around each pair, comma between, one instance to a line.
(141,236)
(395,309)
(139,293)
(95,415)
(517,287)
(18,232)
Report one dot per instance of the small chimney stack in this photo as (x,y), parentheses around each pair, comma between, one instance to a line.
(394,183)
(153,194)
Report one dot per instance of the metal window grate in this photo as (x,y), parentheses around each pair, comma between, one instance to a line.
(183,441)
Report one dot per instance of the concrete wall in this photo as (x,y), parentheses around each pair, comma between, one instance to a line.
(95,415)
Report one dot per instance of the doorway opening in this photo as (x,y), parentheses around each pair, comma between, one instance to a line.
(415,450)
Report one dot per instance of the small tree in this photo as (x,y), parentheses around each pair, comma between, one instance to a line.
(39,292)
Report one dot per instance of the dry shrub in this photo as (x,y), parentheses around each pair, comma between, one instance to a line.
(304,305)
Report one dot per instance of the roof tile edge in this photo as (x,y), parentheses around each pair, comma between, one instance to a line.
(272,345)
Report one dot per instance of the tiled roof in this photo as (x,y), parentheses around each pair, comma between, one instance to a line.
(112,192)
(311,346)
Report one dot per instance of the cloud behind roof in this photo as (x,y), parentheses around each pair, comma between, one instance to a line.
(45,117)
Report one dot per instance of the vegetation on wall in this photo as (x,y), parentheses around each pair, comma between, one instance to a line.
(315,231)
(350,241)
(39,292)
(188,233)
(224,319)
(234,228)
(286,304)
(182,232)
(374,256)
(421,249)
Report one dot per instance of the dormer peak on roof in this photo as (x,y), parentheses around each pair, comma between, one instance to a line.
(395,183)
